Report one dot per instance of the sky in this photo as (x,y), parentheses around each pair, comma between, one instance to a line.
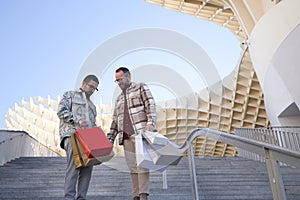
(45,44)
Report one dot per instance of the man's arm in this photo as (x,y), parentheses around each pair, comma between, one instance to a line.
(64,111)
(150,107)
(114,126)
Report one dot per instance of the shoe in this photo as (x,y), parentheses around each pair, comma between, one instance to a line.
(143,196)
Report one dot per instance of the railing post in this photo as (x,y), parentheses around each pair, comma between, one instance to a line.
(275,178)
(193,171)
(165,180)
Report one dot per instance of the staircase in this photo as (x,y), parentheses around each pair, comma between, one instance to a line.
(226,178)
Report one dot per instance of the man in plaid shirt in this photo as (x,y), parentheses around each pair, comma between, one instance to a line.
(134,111)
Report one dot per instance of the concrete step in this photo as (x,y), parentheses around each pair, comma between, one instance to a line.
(218,178)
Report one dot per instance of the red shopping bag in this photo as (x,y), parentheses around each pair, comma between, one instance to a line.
(94,142)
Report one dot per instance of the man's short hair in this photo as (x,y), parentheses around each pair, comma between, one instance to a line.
(125,70)
(90,77)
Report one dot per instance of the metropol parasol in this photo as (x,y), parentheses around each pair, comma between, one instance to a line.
(263,90)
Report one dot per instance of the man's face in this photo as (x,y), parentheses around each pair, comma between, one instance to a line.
(123,80)
(89,88)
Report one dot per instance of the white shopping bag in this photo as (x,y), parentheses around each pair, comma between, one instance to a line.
(142,156)
(155,138)
(169,154)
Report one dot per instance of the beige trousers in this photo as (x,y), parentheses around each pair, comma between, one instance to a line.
(139,176)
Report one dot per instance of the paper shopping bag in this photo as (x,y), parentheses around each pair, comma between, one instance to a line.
(78,162)
(169,154)
(142,156)
(80,157)
(161,150)
(94,142)
(155,138)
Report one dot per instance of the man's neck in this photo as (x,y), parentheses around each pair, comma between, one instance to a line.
(126,87)
(86,95)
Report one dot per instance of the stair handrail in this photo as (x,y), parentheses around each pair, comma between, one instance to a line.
(20,143)
(5,147)
(272,155)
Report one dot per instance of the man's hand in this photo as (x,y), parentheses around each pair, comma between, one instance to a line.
(111,140)
(149,128)
(83,123)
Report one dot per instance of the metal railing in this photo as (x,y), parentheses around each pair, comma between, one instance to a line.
(272,154)
(286,137)
(18,144)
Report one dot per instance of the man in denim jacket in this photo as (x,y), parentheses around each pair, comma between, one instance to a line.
(134,111)
(75,111)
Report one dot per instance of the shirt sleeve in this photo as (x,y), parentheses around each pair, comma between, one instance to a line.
(64,111)
(149,104)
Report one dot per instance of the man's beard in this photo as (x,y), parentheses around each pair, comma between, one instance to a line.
(126,85)
(88,94)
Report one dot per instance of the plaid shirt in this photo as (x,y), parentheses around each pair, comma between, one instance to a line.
(141,107)
(72,108)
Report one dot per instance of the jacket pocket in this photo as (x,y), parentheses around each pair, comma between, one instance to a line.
(78,107)
(136,102)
